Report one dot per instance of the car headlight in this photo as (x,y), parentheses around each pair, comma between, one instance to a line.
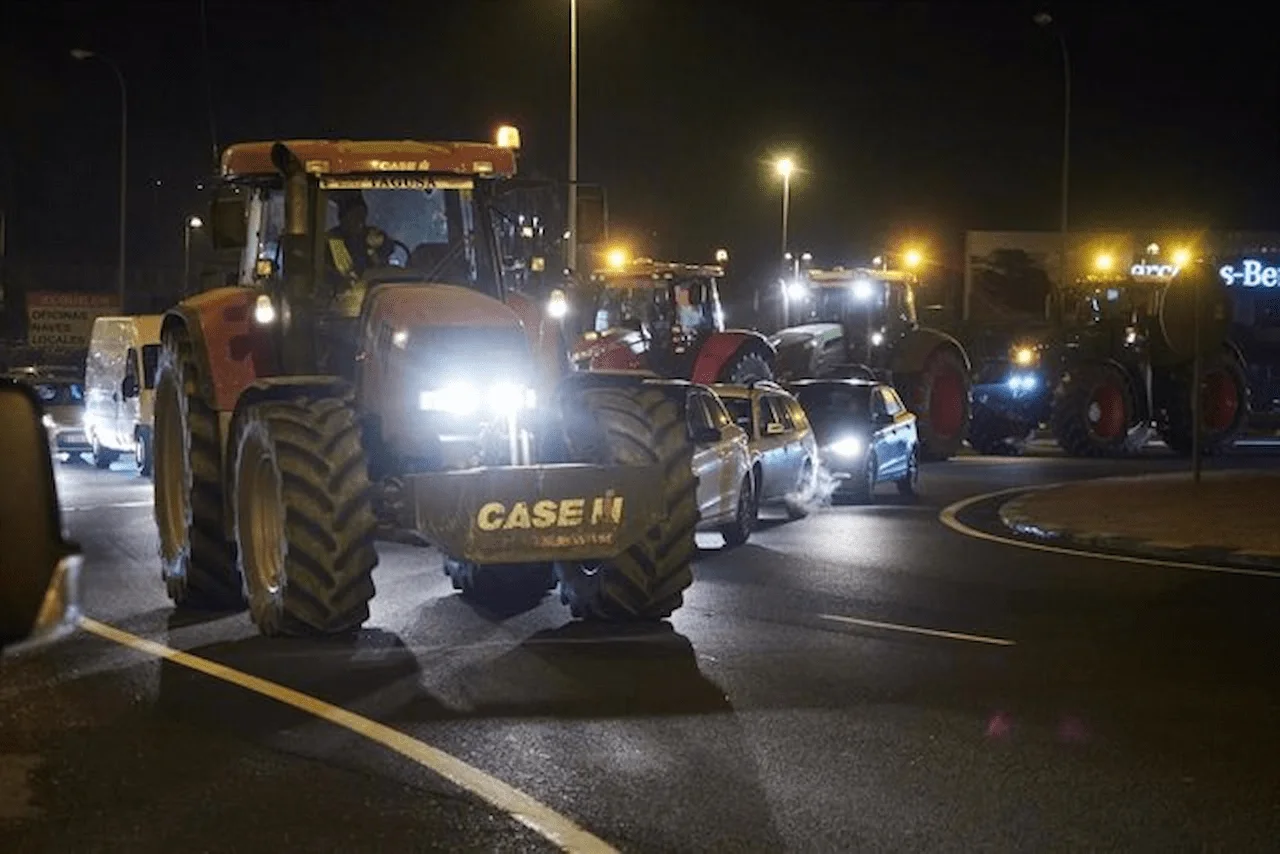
(1023,382)
(849,447)
(465,399)
(557,305)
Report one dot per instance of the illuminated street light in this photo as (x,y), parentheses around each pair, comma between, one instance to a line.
(1104,262)
(193,222)
(1153,249)
(722,256)
(1182,257)
(616,258)
(785,167)
(912,258)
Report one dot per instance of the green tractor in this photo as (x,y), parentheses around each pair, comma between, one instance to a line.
(1118,363)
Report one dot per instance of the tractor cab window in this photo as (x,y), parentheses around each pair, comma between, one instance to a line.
(696,303)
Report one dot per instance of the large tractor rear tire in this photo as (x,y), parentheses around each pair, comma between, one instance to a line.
(628,426)
(746,368)
(939,397)
(197,562)
(304,516)
(1093,412)
(1224,410)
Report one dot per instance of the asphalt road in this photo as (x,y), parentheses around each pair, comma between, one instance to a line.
(1052,702)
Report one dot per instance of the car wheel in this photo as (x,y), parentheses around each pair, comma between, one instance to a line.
(865,487)
(909,483)
(102,457)
(744,521)
(142,452)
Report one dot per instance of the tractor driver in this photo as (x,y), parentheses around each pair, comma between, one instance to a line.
(355,246)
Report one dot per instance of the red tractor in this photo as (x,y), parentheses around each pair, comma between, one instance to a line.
(370,365)
(666,318)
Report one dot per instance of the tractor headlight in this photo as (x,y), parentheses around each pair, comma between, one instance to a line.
(557,304)
(847,447)
(1023,382)
(463,398)
(263,311)
(877,338)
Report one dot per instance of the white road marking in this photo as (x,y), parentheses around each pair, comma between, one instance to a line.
(918,630)
(533,814)
(949,514)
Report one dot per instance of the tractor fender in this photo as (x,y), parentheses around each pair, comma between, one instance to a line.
(231,350)
(722,348)
(915,348)
(273,388)
(546,339)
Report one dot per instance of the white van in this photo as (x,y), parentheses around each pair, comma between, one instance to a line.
(119,387)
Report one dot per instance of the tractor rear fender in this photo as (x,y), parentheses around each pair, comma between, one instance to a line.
(915,348)
(231,350)
(722,348)
(274,388)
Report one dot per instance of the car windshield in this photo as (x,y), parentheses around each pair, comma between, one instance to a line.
(830,405)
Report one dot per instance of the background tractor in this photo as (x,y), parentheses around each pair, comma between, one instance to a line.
(862,322)
(666,318)
(1116,364)
(371,366)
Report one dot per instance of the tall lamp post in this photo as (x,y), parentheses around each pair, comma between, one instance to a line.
(81,54)
(192,223)
(784,167)
(572,244)
(1045,21)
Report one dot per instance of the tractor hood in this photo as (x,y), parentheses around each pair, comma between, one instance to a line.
(796,344)
(594,344)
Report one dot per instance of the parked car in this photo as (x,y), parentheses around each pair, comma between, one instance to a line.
(61,394)
(865,434)
(722,463)
(120,377)
(783,448)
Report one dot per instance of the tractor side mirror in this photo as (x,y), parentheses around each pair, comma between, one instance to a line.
(129,387)
(39,571)
(228,219)
(593,225)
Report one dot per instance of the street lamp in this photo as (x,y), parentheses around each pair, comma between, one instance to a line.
(1045,21)
(193,223)
(912,258)
(784,167)
(81,54)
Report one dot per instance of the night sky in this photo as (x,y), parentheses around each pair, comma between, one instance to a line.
(907,118)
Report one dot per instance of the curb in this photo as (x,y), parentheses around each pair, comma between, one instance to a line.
(1014,516)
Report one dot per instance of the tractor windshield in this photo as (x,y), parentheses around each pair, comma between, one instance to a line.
(1120,302)
(691,303)
(434,231)
(859,301)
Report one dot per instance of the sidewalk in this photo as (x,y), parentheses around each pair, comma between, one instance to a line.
(1226,519)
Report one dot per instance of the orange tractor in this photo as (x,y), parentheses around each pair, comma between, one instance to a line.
(666,318)
(371,365)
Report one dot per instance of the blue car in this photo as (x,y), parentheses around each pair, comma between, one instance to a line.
(865,435)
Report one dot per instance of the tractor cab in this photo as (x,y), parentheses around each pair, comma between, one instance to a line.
(871,306)
(660,311)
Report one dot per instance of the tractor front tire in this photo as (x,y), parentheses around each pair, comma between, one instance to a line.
(1093,411)
(197,562)
(304,516)
(939,396)
(505,586)
(634,426)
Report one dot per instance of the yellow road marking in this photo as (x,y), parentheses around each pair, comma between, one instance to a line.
(918,630)
(533,814)
(948,517)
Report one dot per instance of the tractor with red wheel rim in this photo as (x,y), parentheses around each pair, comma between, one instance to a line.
(862,322)
(666,318)
(1117,365)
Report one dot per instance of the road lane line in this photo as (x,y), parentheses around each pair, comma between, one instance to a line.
(949,517)
(918,630)
(532,813)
